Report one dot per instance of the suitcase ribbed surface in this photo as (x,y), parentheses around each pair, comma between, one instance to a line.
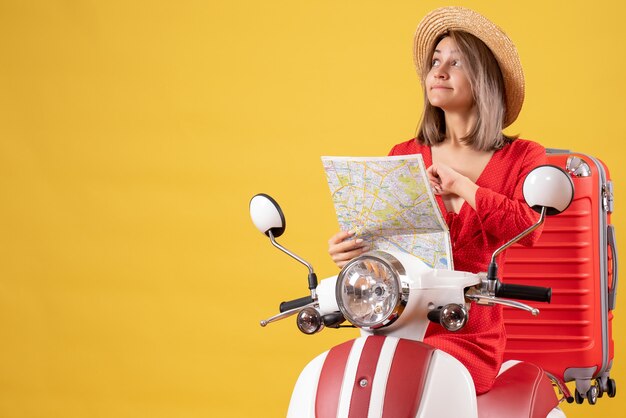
(572,332)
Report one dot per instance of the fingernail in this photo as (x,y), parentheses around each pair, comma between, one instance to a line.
(364,249)
(351,232)
(359,240)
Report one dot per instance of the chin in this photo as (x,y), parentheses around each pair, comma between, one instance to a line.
(441,104)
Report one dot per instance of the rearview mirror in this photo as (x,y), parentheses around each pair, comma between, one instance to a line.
(550,187)
(267,215)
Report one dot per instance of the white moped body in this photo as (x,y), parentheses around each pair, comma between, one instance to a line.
(390,372)
(392,297)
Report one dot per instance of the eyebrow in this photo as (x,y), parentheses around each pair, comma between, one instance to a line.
(454,51)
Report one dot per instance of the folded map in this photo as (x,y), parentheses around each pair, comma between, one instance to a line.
(388,202)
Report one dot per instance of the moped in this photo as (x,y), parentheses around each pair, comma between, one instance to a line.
(392,297)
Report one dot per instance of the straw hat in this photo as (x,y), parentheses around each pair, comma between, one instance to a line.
(445,19)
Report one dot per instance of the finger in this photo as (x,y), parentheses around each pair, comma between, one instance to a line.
(434,177)
(432,171)
(342,258)
(340,237)
(346,246)
(435,183)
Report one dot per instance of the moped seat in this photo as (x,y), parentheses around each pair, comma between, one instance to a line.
(523,391)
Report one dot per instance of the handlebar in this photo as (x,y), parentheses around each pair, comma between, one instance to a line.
(522,292)
(296,303)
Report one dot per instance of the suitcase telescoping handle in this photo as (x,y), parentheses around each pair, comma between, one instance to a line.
(519,291)
(557,151)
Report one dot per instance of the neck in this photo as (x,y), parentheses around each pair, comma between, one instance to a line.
(458,125)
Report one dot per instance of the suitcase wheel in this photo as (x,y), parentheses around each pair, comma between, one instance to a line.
(591,395)
(606,385)
(602,388)
(577,397)
(611,388)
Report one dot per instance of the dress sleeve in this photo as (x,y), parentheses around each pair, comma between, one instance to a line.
(393,151)
(405,148)
(505,217)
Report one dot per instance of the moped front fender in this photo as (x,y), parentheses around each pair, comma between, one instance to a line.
(376,376)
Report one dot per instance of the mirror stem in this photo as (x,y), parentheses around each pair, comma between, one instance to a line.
(492,273)
(312,275)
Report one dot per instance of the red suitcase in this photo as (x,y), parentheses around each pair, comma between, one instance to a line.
(575,256)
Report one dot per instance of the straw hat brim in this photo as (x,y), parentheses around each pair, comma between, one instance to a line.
(445,19)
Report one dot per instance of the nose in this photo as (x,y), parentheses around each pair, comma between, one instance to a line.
(441,72)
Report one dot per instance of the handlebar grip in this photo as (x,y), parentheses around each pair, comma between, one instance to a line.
(296,303)
(523,292)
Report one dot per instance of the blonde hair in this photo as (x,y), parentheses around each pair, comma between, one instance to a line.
(487,84)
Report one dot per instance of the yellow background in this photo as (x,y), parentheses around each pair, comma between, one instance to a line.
(132,136)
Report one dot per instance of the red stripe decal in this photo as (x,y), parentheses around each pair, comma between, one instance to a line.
(406,379)
(331,377)
(360,402)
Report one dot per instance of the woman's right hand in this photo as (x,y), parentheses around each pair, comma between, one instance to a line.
(342,248)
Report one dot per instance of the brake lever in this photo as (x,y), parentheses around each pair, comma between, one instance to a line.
(490,300)
(287,314)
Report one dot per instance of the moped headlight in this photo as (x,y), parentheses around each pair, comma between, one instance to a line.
(370,292)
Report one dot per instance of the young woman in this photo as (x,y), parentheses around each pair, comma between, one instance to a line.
(473,88)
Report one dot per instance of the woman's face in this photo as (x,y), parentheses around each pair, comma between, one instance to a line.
(447,84)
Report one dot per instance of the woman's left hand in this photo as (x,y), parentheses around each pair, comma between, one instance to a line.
(447,181)
(444,179)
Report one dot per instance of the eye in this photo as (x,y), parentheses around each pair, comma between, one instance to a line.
(434,62)
(456,63)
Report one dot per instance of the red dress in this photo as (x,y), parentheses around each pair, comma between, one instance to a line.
(500,215)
